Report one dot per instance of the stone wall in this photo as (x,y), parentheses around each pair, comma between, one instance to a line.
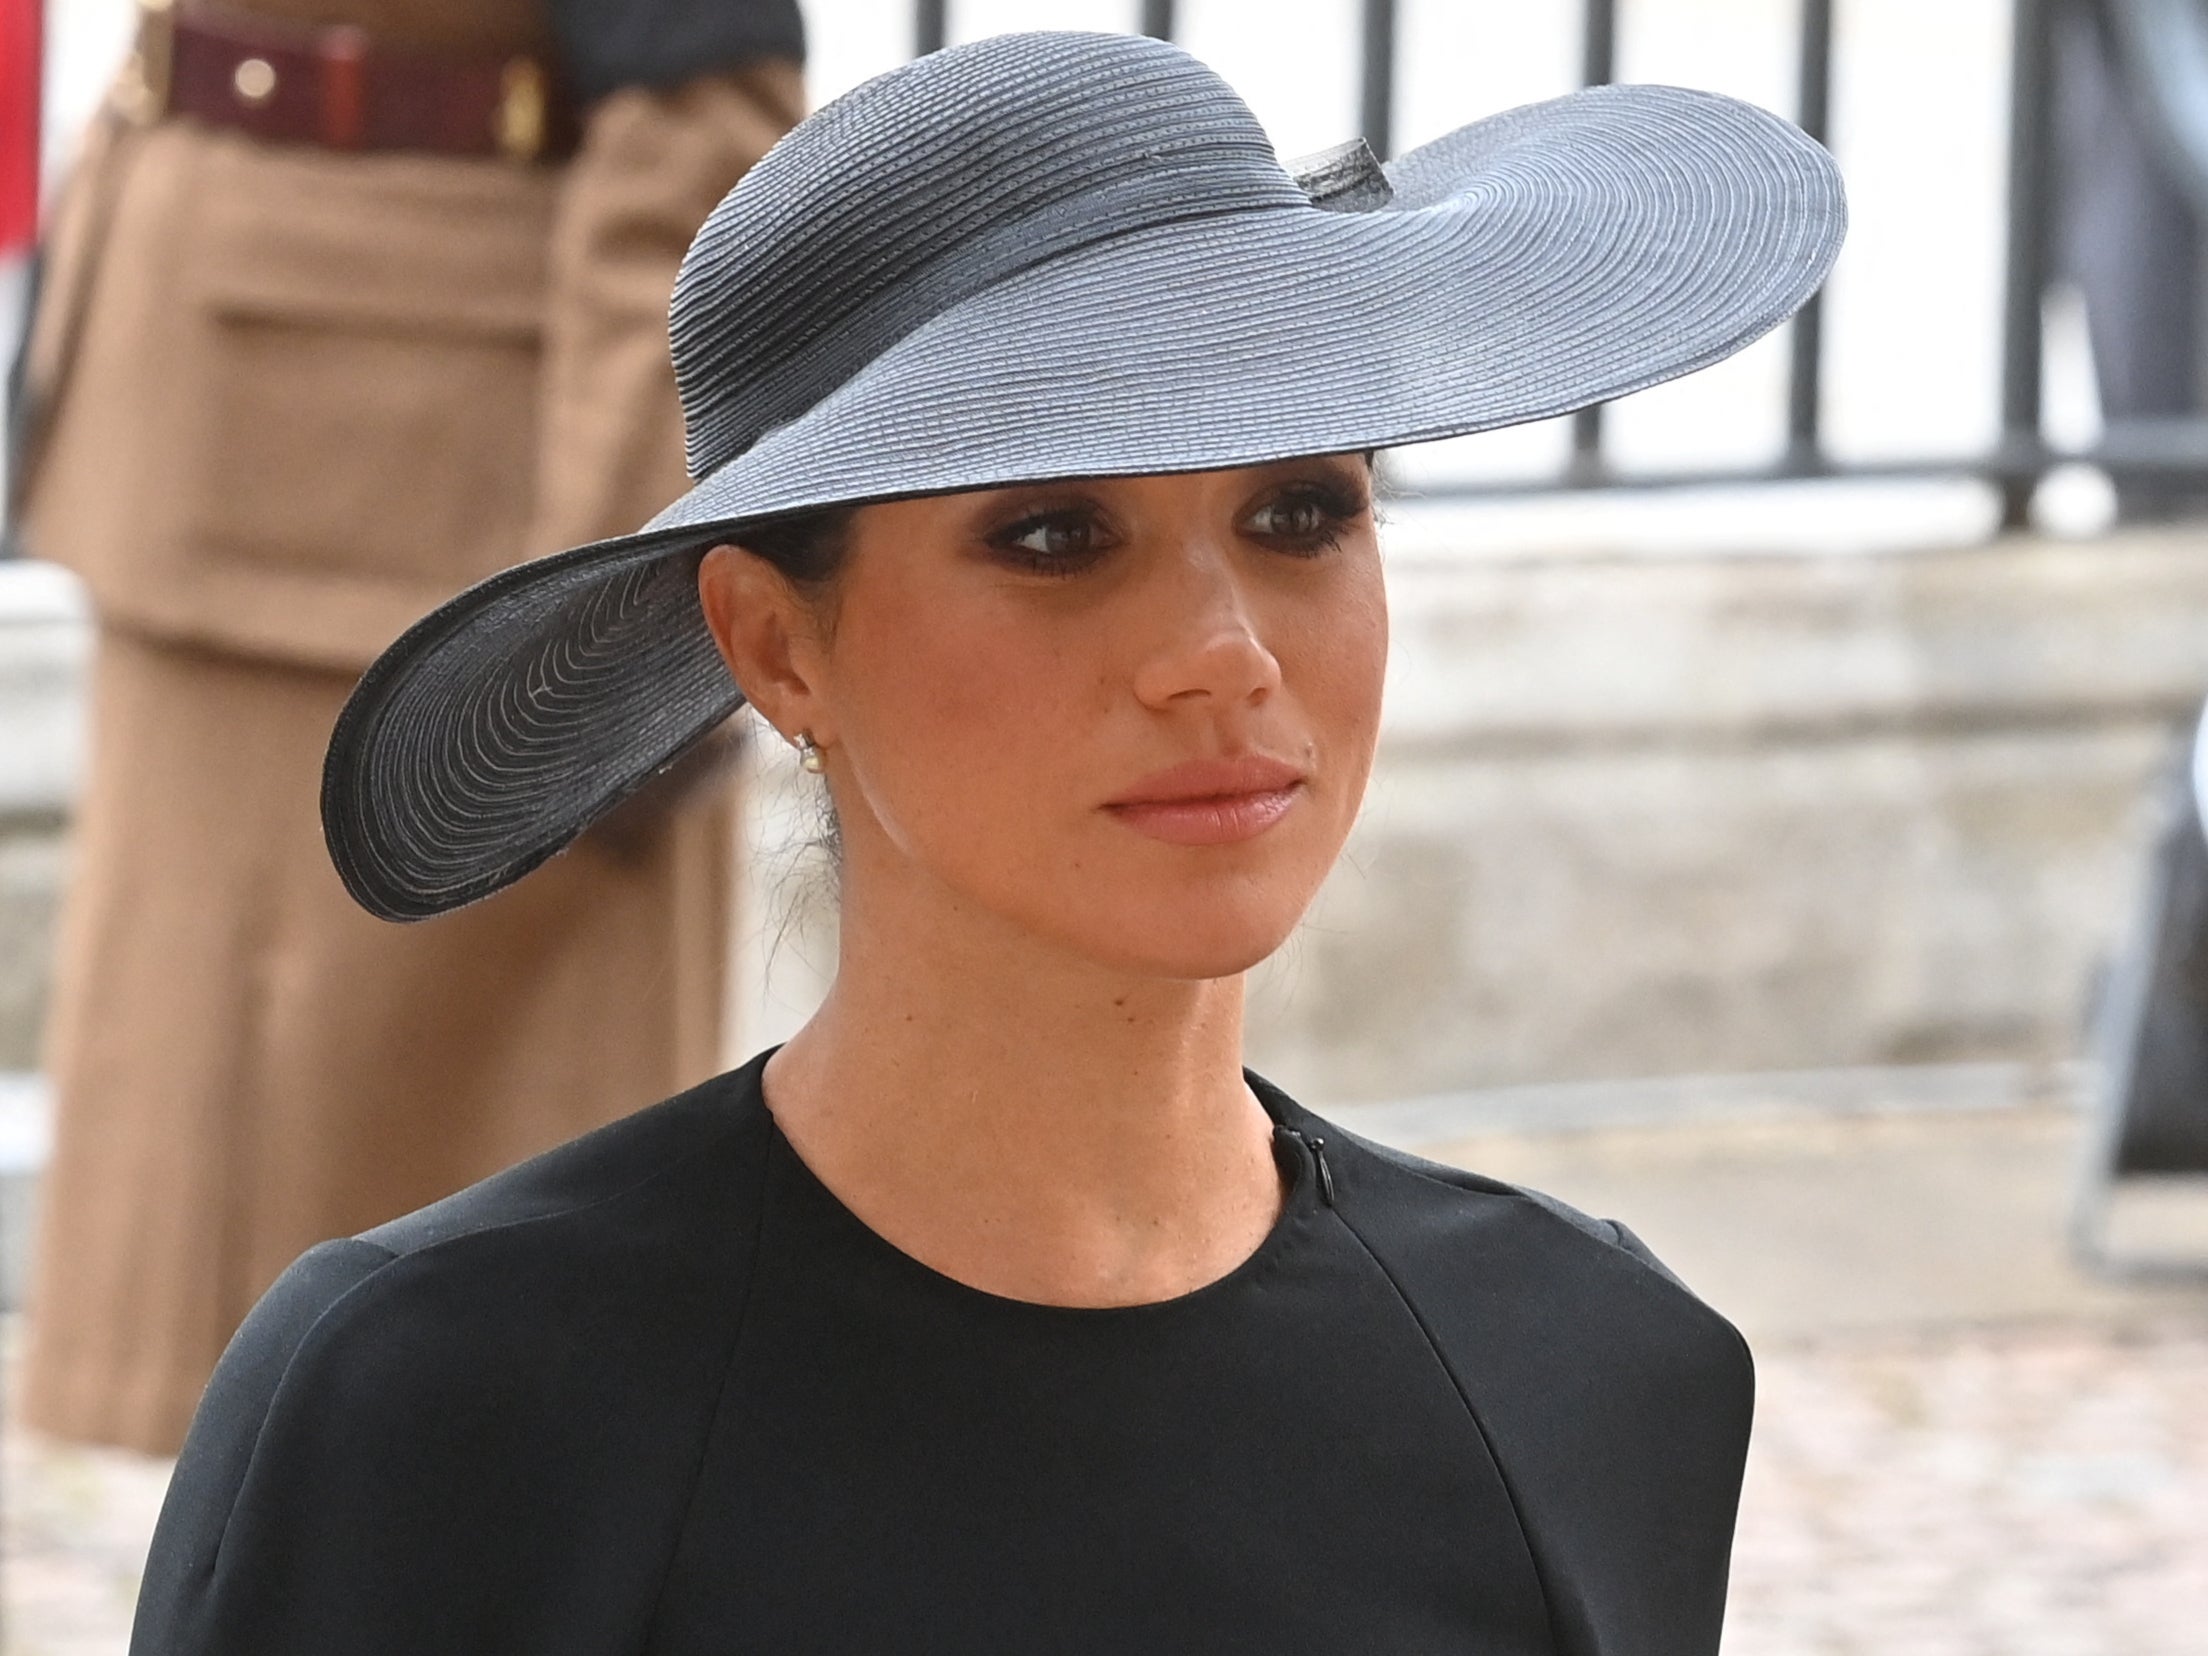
(1639,817)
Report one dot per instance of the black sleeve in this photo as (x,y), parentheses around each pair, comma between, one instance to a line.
(609,44)
(481,1449)
(1616,1402)
(203,1491)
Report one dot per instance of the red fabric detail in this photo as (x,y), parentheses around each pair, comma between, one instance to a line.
(22,62)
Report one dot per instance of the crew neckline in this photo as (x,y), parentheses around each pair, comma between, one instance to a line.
(1303,1204)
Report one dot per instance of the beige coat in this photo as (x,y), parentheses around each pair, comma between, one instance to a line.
(292,400)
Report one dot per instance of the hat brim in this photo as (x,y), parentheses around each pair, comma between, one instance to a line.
(1530,264)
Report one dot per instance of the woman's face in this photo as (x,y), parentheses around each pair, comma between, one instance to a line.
(1132,716)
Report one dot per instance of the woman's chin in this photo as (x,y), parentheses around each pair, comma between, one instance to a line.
(1195,942)
(1178,923)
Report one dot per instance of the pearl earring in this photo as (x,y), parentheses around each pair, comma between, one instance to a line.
(809,757)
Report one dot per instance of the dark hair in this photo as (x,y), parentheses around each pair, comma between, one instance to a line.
(808,548)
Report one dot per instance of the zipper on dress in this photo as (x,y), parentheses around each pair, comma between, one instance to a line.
(1315,1147)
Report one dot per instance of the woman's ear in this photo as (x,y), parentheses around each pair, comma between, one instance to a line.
(768,636)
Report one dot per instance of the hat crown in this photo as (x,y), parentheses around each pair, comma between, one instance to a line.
(927,184)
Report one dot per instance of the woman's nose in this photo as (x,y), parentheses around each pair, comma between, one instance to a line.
(1206,643)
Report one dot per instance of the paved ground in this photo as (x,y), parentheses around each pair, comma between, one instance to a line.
(1963,1448)
(2026,1492)
(72,1541)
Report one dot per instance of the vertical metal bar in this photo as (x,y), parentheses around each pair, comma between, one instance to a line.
(1598,66)
(1598,43)
(1376,116)
(1157,19)
(1813,110)
(2030,188)
(1376,121)
(930,26)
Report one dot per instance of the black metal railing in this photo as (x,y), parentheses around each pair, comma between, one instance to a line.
(2021,453)
(1598,66)
(2020,456)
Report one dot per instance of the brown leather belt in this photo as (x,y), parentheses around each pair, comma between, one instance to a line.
(340,88)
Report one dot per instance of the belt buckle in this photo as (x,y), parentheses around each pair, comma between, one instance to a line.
(522,121)
(142,94)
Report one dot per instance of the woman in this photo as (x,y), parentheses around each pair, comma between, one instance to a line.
(1001,1310)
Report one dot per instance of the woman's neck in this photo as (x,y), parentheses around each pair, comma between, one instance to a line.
(1026,1122)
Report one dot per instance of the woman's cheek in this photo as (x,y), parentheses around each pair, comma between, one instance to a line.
(1341,687)
(969,733)
(1361,663)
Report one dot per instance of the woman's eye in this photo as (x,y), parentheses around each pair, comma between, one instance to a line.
(1294,519)
(1056,541)
(1301,519)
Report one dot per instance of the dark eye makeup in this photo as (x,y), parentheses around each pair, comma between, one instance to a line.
(1056,540)
(1301,517)
(1306,517)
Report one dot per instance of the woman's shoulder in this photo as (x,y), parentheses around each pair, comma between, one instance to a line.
(1477,1248)
(1617,1402)
(1455,1207)
(626,1215)
(1463,1233)
(581,1184)
(522,1373)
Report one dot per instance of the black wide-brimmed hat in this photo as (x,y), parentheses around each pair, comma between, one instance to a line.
(1061,255)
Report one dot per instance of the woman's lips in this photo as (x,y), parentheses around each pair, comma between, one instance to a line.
(1211,801)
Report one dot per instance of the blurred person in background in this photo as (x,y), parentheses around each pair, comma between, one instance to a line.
(2128,235)
(348,304)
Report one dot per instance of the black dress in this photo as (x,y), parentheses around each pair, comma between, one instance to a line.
(660,1392)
